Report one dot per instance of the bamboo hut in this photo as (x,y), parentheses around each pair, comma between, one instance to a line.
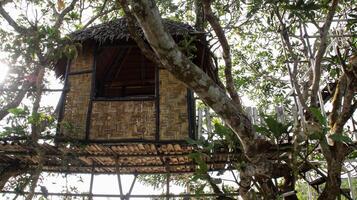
(117,95)
(121,112)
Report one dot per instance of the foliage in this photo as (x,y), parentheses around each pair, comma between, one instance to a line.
(20,120)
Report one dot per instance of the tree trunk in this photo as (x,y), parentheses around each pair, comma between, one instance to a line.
(333,182)
(257,151)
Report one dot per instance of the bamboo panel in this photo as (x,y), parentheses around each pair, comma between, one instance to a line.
(123,120)
(173,108)
(76,106)
(84,61)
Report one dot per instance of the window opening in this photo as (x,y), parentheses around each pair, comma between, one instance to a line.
(123,72)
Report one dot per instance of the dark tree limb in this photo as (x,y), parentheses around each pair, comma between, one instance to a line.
(20,29)
(168,53)
(4,111)
(321,52)
(101,13)
(61,15)
(214,22)
(144,47)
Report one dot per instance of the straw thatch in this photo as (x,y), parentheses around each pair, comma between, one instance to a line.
(118,30)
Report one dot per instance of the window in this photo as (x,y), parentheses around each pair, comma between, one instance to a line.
(123,71)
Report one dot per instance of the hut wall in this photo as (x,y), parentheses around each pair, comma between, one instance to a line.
(123,120)
(173,108)
(78,97)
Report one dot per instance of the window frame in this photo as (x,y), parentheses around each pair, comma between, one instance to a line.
(144,62)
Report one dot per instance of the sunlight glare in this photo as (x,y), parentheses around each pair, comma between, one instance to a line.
(3,71)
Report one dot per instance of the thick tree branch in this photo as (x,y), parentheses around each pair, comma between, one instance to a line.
(347,108)
(320,53)
(168,53)
(97,16)
(214,22)
(285,37)
(183,69)
(61,16)
(17,100)
(145,49)
(101,13)
(337,99)
(20,29)
(34,178)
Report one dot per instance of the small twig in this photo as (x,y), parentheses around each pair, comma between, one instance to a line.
(321,52)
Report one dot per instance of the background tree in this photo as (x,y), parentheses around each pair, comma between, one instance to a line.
(33,39)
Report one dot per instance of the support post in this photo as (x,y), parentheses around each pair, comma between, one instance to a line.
(92,94)
(208,121)
(131,187)
(119,179)
(91,184)
(350,185)
(157,103)
(199,123)
(168,186)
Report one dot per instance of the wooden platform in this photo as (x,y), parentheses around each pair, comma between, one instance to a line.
(140,158)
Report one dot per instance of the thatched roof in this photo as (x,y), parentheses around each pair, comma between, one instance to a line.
(118,30)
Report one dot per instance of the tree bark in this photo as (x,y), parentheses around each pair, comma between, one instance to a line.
(214,22)
(333,182)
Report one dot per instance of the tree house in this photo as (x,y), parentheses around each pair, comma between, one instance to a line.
(115,94)
(118,101)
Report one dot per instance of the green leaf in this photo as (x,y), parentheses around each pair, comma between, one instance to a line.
(316,136)
(18,111)
(202,165)
(263,130)
(275,127)
(222,130)
(318,116)
(341,138)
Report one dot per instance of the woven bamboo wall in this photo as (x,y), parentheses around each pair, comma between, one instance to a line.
(77,98)
(123,120)
(173,108)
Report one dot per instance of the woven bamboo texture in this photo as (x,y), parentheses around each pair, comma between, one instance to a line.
(84,61)
(123,120)
(173,108)
(77,98)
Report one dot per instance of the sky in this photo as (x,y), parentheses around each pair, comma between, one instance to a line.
(3,71)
